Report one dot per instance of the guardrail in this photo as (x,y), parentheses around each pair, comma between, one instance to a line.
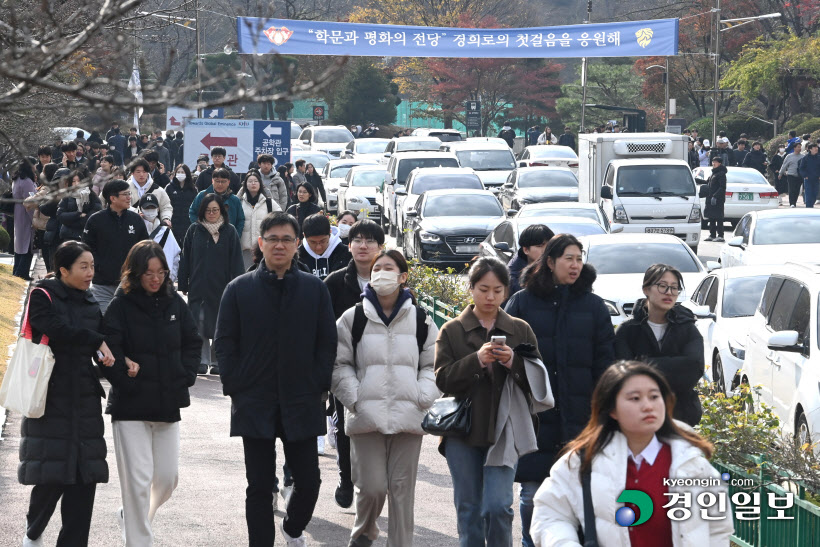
(438,311)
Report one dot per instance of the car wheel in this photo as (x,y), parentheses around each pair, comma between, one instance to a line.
(399,237)
(748,395)
(718,377)
(802,435)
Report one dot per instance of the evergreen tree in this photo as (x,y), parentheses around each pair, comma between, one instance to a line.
(364,95)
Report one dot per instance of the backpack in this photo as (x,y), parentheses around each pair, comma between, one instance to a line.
(360,321)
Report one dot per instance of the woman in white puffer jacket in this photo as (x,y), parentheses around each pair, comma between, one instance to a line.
(632,414)
(256,206)
(386,393)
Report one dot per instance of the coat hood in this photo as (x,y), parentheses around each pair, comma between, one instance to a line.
(720,170)
(335,240)
(678,314)
(582,285)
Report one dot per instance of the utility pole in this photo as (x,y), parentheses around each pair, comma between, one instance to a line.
(199,60)
(584,74)
(717,72)
(666,77)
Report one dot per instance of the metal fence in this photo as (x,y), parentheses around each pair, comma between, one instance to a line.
(438,311)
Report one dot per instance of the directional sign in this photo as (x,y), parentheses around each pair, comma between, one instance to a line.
(213,113)
(318,113)
(175,117)
(243,140)
(473,115)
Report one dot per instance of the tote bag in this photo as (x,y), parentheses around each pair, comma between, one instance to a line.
(25,384)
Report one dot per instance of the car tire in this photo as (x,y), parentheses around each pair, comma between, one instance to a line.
(718,376)
(802,435)
(400,238)
(392,230)
(405,249)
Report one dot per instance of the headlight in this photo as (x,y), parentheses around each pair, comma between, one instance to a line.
(737,351)
(620,215)
(427,237)
(611,308)
(694,216)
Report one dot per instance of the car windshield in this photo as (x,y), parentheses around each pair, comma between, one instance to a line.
(318,160)
(407,165)
(368,146)
(746,177)
(658,180)
(340,172)
(741,295)
(551,152)
(447,137)
(537,213)
(332,135)
(295,130)
(632,258)
(547,179)
(578,230)
(487,160)
(445,182)
(408,146)
(788,230)
(369,178)
(462,206)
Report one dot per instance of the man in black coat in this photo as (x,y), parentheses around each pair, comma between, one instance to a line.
(346,286)
(204,180)
(715,199)
(276,377)
(567,139)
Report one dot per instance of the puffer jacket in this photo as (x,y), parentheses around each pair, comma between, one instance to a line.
(253,218)
(166,210)
(72,219)
(276,187)
(559,502)
(716,188)
(390,386)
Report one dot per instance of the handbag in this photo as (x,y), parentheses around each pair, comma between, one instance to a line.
(25,384)
(448,417)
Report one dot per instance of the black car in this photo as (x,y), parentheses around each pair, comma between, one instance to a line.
(537,185)
(446,226)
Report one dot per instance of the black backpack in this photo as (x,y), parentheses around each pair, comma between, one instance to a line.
(360,321)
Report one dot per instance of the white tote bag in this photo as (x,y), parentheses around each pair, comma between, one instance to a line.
(25,384)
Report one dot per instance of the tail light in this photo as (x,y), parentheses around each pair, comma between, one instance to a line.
(728,194)
(573,165)
(768,195)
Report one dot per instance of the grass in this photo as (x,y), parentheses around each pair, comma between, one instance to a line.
(11,290)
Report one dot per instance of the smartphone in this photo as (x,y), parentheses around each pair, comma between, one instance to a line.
(498,340)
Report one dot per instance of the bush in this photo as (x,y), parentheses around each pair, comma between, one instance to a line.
(4,239)
(704,127)
(809,126)
(445,285)
(739,123)
(796,120)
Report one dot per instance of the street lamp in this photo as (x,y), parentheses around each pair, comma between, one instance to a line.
(730,24)
(666,81)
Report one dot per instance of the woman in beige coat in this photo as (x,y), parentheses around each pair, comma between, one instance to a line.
(386,386)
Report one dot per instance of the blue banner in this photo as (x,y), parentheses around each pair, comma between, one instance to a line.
(657,37)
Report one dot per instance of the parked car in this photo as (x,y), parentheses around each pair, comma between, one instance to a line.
(773,237)
(365,149)
(542,155)
(444,135)
(731,296)
(494,140)
(538,184)
(622,259)
(409,144)
(333,174)
(567,209)
(327,138)
(446,226)
(783,349)
(67,134)
(746,190)
(492,162)
(357,191)
(318,159)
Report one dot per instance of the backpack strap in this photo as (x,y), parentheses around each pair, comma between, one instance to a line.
(590,532)
(164,237)
(269,204)
(421,328)
(359,323)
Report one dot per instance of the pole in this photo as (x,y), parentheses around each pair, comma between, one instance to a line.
(199,60)
(584,75)
(717,71)
(775,128)
(666,76)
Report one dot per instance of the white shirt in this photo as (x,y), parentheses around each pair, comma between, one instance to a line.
(363,281)
(658,329)
(648,454)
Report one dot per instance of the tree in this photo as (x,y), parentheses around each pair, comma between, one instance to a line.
(363,94)
(610,82)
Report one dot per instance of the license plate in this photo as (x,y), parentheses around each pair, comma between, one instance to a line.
(660,230)
(746,196)
(467,249)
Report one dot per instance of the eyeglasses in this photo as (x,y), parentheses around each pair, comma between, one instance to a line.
(363,241)
(663,288)
(211,210)
(125,194)
(273,240)
(155,275)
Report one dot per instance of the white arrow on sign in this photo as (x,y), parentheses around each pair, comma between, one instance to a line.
(270,130)
(213,114)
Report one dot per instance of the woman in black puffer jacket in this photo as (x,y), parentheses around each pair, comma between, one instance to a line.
(73,211)
(663,333)
(156,345)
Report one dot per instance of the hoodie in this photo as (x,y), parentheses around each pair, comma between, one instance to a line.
(166,210)
(335,257)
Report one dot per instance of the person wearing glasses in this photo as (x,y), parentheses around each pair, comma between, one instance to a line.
(276,377)
(153,337)
(211,258)
(111,233)
(663,333)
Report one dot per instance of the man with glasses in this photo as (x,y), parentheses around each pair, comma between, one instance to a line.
(276,377)
(346,287)
(220,185)
(111,233)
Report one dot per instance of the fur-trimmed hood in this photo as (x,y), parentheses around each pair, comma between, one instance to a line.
(543,289)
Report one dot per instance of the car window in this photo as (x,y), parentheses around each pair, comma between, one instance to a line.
(433,145)
(368,178)
(741,295)
(784,305)
(369,146)
(334,135)
(623,258)
(787,230)
(552,152)
(801,316)
(486,160)
(525,155)
(471,205)
(583,213)
(711,296)
(408,164)
(700,293)
(547,179)
(642,180)
(746,176)
(504,234)
(609,180)
(421,184)
(769,294)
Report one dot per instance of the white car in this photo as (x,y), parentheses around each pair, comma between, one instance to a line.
(542,211)
(548,155)
(444,135)
(492,162)
(333,175)
(746,190)
(773,237)
(783,349)
(410,144)
(67,134)
(494,140)
(622,259)
(365,149)
(732,296)
(327,138)
(358,191)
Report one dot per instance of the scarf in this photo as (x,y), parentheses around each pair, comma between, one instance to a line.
(83,197)
(213,227)
(253,199)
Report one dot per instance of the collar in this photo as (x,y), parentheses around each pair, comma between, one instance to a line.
(649,454)
(503,321)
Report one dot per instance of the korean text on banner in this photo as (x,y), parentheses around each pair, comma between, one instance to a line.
(243,140)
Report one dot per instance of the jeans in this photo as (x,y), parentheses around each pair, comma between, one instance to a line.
(483,496)
(103,294)
(525,507)
(810,188)
(22,264)
(795,184)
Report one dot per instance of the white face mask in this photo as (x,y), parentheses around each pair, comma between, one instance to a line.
(344,229)
(181,177)
(150,214)
(781,150)
(384,282)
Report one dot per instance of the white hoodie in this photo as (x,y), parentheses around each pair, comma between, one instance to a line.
(171,247)
(166,210)
(322,269)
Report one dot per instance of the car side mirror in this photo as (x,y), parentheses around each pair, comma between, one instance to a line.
(736,241)
(343,184)
(712,265)
(784,340)
(387,154)
(702,312)
(616,229)
(522,164)
(512,212)
(606,192)
(411,214)
(502,246)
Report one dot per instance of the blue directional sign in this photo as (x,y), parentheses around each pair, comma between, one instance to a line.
(243,140)
(270,137)
(213,113)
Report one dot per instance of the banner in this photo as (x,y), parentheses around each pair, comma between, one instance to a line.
(243,140)
(657,37)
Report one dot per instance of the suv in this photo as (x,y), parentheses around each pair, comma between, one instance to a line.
(780,349)
(327,138)
(492,162)
(410,144)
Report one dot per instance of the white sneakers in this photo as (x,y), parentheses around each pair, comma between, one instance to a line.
(286,492)
(121,522)
(28,542)
(301,541)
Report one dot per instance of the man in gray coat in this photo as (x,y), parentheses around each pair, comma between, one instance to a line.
(271,180)
(299,174)
(789,168)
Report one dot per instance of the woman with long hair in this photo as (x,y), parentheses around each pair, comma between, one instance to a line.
(312,176)
(211,258)
(631,443)
(62,453)
(576,341)
(305,205)
(23,187)
(663,333)
(182,192)
(155,342)
(74,210)
(256,206)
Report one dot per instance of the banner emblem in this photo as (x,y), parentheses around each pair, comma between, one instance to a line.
(644,36)
(278,35)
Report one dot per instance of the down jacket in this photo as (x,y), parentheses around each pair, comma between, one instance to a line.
(390,386)
(253,218)
(559,502)
(166,210)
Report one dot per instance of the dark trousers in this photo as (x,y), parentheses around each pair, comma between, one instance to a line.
(22,264)
(342,445)
(260,471)
(795,184)
(716,225)
(76,508)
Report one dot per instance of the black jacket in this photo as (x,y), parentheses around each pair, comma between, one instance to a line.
(72,221)
(52,232)
(300,211)
(756,159)
(322,267)
(316,181)
(66,444)
(205,178)
(727,154)
(576,342)
(161,179)
(740,157)
(110,237)
(508,135)
(679,355)
(567,139)
(181,200)
(276,345)
(716,188)
(694,161)
(159,334)
(516,266)
(343,285)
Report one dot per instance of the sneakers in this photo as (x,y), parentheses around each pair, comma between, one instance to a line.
(719,240)
(286,492)
(361,541)
(320,445)
(215,370)
(203,369)
(121,522)
(344,495)
(301,541)
(710,238)
(28,542)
